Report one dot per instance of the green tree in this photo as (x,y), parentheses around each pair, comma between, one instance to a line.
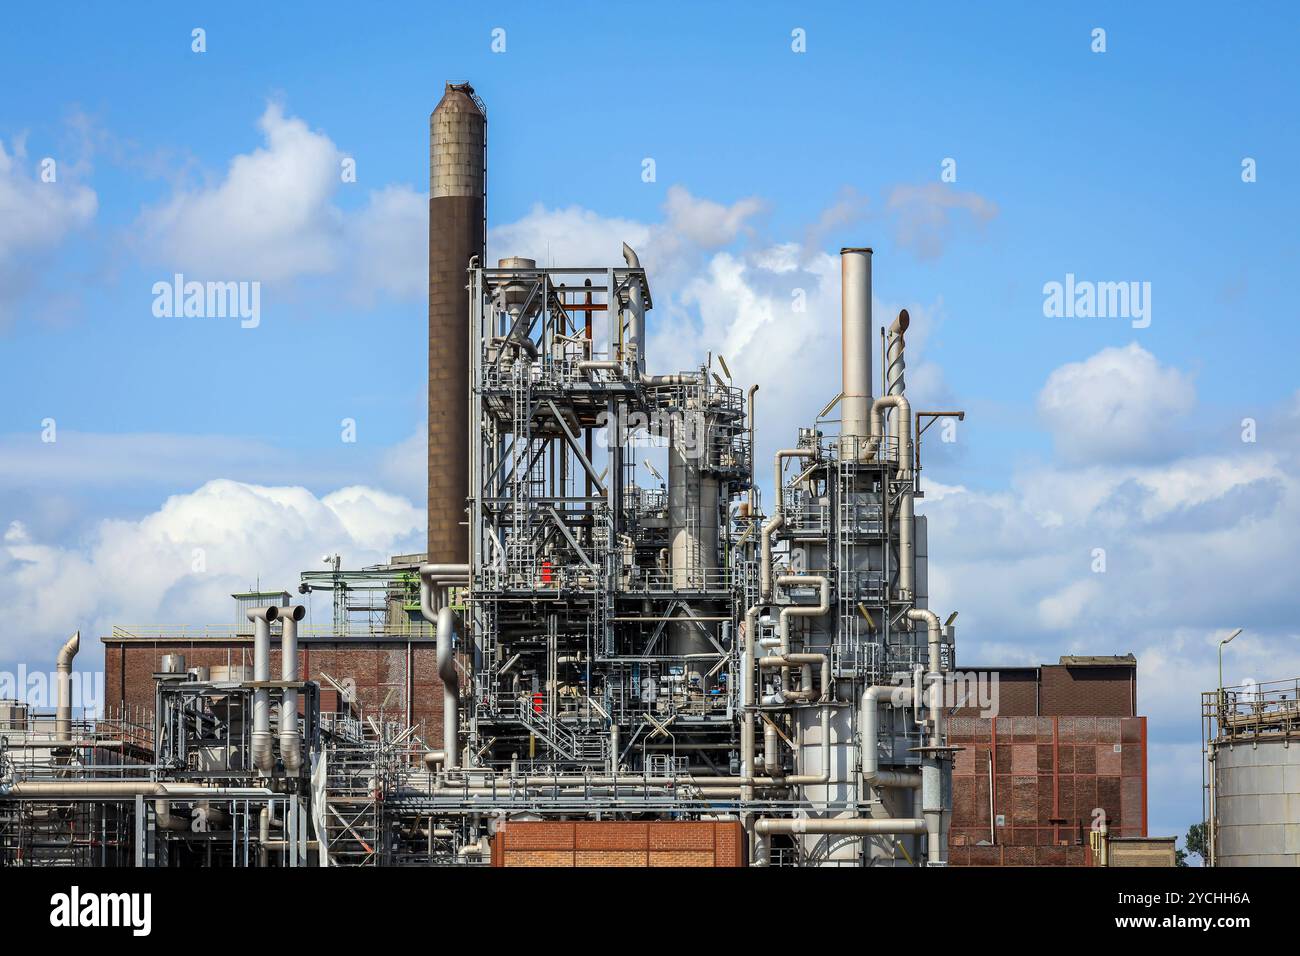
(1195,843)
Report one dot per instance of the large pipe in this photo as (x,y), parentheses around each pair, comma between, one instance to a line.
(822,607)
(290,735)
(444,620)
(457,140)
(931,770)
(450,687)
(121,789)
(855,335)
(903,473)
(862,826)
(263,756)
(894,384)
(63,669)
(636,338)
(872,775)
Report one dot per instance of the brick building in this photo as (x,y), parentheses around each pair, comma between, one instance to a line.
(1066,744)
(392,675)
(567,843)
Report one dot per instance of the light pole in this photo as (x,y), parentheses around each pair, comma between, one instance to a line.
(1214,810)
(1226,640)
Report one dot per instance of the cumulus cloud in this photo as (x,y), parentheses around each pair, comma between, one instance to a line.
(270,217)
(771,308)
(926,216)
(1110,554)
(273,216)
(182,562)
(36,217)
(1119,405)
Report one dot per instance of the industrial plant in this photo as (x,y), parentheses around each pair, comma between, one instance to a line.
(599,660)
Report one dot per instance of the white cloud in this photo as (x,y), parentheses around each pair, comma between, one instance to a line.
(274,217)
(145,572)
(926,216)
(35,218)
(1120,404)
(269,218)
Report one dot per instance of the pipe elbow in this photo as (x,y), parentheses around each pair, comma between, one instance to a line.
(68,651)
(446,634)
(630,257)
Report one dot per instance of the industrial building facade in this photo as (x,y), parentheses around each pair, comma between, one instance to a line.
(1066,754)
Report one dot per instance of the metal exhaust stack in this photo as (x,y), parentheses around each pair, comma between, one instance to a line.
(263,755)
(457,130)
(290,735)
(63,670)
(855,343)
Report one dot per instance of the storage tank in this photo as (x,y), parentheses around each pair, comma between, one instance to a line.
(1252,751)
(1257,791)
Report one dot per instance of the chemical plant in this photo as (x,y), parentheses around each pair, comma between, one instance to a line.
(592,662)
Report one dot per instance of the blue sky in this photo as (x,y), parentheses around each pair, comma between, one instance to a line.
(1115,166)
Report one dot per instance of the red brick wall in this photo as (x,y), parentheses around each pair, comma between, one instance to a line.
(1055,690)
(1049,774)
(1087,691)
(597,843)
(380,669)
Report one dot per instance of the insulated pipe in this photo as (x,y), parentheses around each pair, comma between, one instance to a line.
(780,456)
(934,635)
(855,341)
(906,507)
(931,774)
(265,819)
(263,757)
(63,668)
(435,577)
(822,607)
(290,735)
(770,527)
(121,789)
(162,810)
(861,826)
(872,775)
(753,426)
(450,687)
(637,306)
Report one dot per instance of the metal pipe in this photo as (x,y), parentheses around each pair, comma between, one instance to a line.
(822,607)
(753,449)
(903,473)
(263,757)
(855,340)
(863,826)
(450,687)
(778,480)
(931,770)
(63,668)
(895,384)
(770,528)
(290,735)
(869,713)
(121,789)
(637,307)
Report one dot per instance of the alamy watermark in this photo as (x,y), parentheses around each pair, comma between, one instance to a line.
(209,300)
(1084,299)
(39,689)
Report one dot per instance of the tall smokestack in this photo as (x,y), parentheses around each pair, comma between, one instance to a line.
(457,130)
(855,345)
